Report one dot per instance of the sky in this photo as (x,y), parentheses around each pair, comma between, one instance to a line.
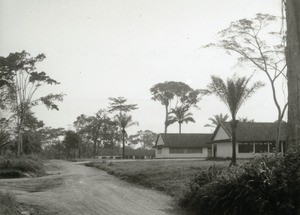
(109,48)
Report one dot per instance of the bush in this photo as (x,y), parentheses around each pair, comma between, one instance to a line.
(16,167)
(265,185)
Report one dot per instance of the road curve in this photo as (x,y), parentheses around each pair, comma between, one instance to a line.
(85,190)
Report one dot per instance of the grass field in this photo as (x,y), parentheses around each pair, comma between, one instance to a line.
(8,204)
(169,176)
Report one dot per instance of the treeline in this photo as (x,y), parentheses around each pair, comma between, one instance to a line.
(106,129)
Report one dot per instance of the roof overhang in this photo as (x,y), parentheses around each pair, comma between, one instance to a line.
(243,141)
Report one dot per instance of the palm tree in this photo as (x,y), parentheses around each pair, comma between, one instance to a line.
(216,119)
(124,121)
(180,115)
(234,92)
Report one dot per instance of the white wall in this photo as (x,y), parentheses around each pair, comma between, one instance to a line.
(224,150)
(165,154)
(221,134)
(164,151)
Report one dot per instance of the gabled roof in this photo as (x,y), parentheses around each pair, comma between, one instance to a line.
(184,140)
(253,131)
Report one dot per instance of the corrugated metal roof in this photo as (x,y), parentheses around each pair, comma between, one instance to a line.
(185,140)
(255,131)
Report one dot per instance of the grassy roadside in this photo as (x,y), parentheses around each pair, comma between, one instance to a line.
(25,166)
(171,177)
(8,204)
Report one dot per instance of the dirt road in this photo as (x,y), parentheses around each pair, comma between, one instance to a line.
(77,189)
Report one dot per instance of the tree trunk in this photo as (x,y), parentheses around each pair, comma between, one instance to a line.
(123,143)
(179,128)
(19,143)
(166,119)
(95,148)
(293,73)
(233,136)
(112,149)
(79,149)
(293,70)
(278,135)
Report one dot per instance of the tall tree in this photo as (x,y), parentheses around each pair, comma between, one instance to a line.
(96,126)
(145,138)
(6,81)
(168,91)
(256,42)
(34,135)
(98,129)
(71,142)
(24,81)
(180,114)
(216,119)
(5,134)
(293,65)
(124,121)
(234,92)
(83,129)
(51,142)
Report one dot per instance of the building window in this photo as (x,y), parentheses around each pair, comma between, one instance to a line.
(194,151)
(261,147)
(176,151)
(245,147)
(159,151)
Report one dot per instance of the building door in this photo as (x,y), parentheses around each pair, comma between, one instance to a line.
(215,150)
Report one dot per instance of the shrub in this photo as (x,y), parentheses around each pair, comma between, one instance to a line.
(265,185)
(204,186)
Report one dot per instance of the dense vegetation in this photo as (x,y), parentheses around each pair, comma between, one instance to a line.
(265,185)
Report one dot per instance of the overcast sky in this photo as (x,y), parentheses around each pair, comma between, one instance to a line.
(109,48)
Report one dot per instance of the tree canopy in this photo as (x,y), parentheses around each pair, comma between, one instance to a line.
(179,92)
(119,104)
(145,138)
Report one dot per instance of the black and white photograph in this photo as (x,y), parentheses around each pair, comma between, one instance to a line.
(149,107)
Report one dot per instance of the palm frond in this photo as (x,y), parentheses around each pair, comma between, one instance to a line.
(188,119)
(234,92)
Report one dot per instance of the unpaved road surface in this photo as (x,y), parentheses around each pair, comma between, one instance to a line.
(77,189)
